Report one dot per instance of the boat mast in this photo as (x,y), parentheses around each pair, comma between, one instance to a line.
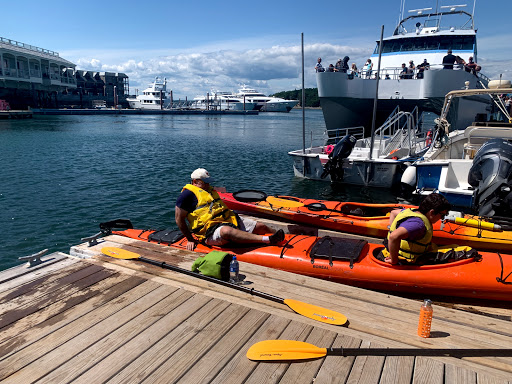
(303,99)
(372,139)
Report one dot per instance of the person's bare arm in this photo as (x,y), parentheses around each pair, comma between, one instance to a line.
(394,244)
(180,216)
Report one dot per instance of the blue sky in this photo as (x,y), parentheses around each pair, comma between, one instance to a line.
(203,45)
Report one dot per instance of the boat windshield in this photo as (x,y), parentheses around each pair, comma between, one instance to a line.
(428,43)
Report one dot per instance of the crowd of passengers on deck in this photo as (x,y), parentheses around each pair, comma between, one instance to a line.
(410,71)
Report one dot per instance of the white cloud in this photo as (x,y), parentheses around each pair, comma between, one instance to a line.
(194,73)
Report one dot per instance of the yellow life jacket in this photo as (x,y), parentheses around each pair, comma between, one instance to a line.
(410,250)
(210,211)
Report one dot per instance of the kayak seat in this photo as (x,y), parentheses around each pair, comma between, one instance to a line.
(166,236)
(358,210)
(337,248)
(435,258)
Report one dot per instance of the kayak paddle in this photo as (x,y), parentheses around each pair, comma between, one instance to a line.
(308,310)
(269,350)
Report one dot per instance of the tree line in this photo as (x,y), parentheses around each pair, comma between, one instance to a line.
(312,99)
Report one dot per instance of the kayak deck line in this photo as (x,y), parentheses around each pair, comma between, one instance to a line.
(137,321)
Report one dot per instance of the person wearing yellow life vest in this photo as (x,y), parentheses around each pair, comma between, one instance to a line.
(410,232)
(202,216)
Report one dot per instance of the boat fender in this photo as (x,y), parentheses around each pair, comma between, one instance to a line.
(409,176)
(328,149)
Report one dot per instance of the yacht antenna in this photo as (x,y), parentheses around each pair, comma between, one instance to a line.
(473,16)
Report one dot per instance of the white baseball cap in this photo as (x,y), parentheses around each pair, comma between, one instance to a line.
(201,174)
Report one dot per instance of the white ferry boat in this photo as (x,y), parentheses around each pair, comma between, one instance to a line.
(153,97)
(223,101)
(428,34)
(266,103)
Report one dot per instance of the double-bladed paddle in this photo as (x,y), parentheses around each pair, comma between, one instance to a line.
(308,310)
(271,350)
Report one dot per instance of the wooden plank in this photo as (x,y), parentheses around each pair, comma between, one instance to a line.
(482,378)
(147,328)
(29,275)
(272,372)
(108,295)
(32,363)
(458,375)
(304,372)
(32,290)
(8,319)
(20,270)
(366,369)
(239,368)
(397,369)
(219,355)
(428,371)
(336,369)
(59,310)
(184,359)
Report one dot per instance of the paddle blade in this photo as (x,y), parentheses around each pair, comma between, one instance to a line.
(284,350)
(119,253)
(316,313)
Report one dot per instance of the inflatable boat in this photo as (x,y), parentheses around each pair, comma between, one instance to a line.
(481,275)
(367,219)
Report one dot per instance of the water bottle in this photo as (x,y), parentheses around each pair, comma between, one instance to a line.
(426,313)
(233,271)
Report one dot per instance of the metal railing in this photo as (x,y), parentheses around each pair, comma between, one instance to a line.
(29,47)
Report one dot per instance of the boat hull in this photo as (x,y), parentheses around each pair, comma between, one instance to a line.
(463,278)
(346,101)
(368,220)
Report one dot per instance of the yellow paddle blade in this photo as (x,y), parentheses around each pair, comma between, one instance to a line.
(284,350)
(316,313)
(119,253)
(283,203)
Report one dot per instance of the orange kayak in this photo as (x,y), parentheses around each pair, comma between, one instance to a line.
(367,219)
(355,262)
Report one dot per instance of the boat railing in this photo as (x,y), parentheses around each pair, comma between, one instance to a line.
(395,73)
(332,136)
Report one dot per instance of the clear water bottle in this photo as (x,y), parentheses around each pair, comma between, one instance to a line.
(425,323)
(233,271)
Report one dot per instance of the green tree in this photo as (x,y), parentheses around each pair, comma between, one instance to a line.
(312,99)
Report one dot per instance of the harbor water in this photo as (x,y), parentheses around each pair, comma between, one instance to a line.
(63,175)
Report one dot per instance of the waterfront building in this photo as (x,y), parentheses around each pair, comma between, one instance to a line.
(35,77)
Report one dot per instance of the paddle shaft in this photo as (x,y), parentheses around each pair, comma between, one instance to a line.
(418,352)
(251,291)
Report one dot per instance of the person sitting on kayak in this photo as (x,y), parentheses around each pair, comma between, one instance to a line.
(211,221)
(410,232)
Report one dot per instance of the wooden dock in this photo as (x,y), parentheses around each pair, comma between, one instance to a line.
(99,319)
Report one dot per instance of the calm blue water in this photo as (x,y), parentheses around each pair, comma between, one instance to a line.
(63,175)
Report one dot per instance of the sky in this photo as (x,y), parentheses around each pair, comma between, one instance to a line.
(200,46)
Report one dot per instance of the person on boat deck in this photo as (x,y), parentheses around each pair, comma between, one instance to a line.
(211,221)
(403,72)
(331,68)
(318,66)
(449,60)
(410,69)
(338,66)
(368,68)
(353,70)
(471,66)
(422,68)
(410,232)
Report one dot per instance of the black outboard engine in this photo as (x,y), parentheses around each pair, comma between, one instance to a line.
(334,166)
(491,176)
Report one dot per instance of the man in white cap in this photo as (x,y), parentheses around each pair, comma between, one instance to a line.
(211,221)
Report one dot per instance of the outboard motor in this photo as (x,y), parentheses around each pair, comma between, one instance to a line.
(491,176)
(342,150)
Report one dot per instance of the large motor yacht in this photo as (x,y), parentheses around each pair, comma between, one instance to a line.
(153,97)
(223,101)
(266,103)
(428,34)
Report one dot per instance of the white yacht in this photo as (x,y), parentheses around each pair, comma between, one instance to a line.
(153,97)
(224,101)
(266,103)
(428,34)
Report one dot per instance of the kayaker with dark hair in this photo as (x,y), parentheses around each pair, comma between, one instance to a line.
(211,221)
(410,232)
